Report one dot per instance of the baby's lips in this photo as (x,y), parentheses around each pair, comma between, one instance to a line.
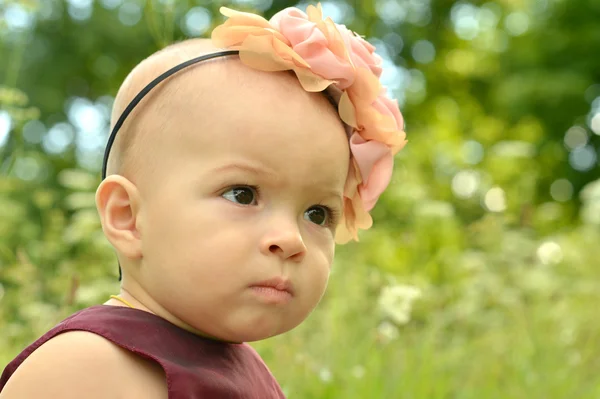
(279,283)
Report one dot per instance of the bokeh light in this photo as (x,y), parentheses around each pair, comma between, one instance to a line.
(561,190)
(392,12)
(80,10)
(394,42)
(464,20)
(423,51)
(196,21)
(33,131)
(472,152)
(583,158)
(5,126)
(18,18)
(550,253)
(576,137)
(495,200)
(84,116)
(58,138)
(465,183)
(27,168)
(516,23)
(130,13)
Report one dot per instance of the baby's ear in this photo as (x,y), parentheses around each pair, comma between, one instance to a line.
(118,204)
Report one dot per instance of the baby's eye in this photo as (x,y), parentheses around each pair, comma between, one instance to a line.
(244,195)
(321,215)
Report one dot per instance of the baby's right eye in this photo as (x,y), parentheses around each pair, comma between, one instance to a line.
(244,195)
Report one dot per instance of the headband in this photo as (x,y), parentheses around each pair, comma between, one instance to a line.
(324,56)
(136,100)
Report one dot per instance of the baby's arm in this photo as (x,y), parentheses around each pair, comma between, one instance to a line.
(84,365)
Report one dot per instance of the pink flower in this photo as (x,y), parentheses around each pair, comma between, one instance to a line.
(362,53)
(375,163)
(317,41)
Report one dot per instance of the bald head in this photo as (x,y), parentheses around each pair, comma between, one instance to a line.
(127,151)
(137,150)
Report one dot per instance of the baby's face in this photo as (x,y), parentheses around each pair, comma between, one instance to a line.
(249,185)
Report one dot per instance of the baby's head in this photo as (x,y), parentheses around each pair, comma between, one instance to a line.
(223,181)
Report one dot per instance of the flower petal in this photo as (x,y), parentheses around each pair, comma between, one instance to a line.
(244,18)
(346,110)
(240,25)
(315,13)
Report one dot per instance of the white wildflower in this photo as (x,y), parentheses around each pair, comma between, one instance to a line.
(396,302)
(387,332)
(358,371)
(325,374)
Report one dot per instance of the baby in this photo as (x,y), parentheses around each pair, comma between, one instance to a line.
(224,191)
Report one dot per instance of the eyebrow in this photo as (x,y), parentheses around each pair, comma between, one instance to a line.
(256,170)
(244,167)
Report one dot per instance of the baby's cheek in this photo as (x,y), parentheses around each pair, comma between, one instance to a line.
(318,278)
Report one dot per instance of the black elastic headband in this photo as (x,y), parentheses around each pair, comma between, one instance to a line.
(146,90)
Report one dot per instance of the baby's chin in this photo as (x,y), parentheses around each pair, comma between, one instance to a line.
(245,332)
(252,336)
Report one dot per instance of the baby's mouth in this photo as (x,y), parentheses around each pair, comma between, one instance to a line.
(276,290)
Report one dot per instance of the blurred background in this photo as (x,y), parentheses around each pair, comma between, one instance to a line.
(480,278)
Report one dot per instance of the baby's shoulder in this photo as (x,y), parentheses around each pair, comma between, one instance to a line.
(80,364)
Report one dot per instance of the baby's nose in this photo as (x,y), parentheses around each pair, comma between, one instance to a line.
(285,242)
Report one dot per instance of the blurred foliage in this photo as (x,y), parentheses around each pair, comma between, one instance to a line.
(480,277)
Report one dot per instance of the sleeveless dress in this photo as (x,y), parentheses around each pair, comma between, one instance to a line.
(195,367)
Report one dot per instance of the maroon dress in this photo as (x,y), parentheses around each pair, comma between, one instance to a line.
(195,367)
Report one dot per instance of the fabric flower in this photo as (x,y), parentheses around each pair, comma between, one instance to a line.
(365,107)
(362,52)
(317,41)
